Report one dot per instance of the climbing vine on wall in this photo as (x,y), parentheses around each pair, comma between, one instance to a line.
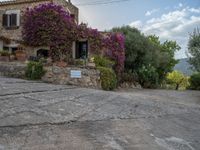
(50,25)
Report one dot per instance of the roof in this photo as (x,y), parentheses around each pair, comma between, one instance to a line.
(11,2)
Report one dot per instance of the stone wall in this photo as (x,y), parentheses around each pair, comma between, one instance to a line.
(90,77)
(13,69)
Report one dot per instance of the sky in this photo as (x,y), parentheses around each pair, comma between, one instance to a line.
(168,19)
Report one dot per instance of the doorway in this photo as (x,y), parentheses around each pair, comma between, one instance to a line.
(81,50)
(43,53)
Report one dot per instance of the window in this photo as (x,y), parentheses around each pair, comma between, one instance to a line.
(9,20)
(5,48)
(72,16)
(81,50)
(13,50)
(43,53)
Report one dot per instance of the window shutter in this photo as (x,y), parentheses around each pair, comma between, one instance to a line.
(5,20)
(72,16)
(13,20)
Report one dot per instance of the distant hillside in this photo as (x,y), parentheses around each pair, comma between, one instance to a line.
(184,66)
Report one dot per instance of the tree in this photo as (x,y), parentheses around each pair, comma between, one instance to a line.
(165,55)
(143,51)
(135,47)
(167,60)
(194,49)
(178,79)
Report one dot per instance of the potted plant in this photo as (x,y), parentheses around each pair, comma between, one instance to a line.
(91,62)
(4,56)
(61,63)
(12,57)
(20,55)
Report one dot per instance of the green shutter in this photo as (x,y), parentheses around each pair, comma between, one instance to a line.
(5,20)
(13,20)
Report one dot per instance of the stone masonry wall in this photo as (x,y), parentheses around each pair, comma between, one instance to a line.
(16,70)
(58,75)
(90,77)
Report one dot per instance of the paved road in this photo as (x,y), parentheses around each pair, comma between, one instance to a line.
(39,116)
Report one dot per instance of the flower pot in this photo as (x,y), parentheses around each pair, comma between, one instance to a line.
(4,58)
(12,57)
(91,65)
(61,64)
(21,55)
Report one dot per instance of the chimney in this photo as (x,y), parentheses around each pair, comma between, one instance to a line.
(69,1)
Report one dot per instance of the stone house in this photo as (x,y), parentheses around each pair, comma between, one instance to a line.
(11,19)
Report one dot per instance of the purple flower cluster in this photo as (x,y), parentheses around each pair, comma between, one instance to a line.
(115,49)
(50,25)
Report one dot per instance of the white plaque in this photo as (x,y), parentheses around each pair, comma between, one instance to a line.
(75,74)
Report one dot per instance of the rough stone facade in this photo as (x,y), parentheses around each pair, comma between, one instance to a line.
(15,34)
(90,77)
(16,70)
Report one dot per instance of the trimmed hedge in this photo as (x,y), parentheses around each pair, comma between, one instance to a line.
(34,70)
(108,78)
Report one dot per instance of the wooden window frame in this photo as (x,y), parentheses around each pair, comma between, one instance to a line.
(11,21)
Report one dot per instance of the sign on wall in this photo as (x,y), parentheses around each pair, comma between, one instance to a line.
(75,74)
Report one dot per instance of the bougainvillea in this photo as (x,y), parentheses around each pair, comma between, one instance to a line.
(111,45)
(94,37)
(115,49)
(49,25)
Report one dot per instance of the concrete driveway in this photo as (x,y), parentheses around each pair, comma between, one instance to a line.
(39,116)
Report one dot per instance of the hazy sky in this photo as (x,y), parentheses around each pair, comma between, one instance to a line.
(168,19)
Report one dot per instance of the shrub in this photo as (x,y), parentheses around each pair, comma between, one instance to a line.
(4,53)
(195,81)
(34,70)
(108,78)
(147,76)
(103,62)
(177,79)
(128,77)
(79,62)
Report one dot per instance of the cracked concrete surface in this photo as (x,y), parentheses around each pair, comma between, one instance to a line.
(40,116)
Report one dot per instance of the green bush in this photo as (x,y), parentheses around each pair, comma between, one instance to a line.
(4,53)
(34,70)
(108,78)
(80,62)
(147,76)
(103,62)
(195,81)
(128,77)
